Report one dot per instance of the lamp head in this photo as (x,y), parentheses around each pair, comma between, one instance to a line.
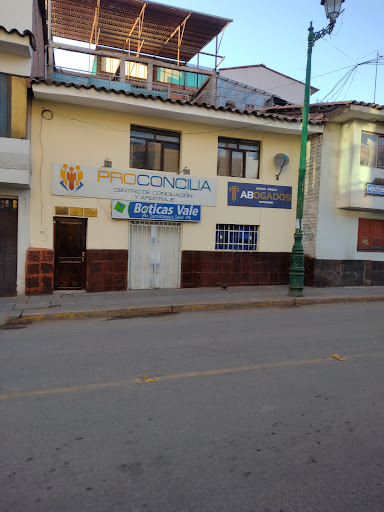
(332,8)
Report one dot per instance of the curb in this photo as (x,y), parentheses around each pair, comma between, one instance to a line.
(304,301)
(105,313)
(137,312)
(280,303)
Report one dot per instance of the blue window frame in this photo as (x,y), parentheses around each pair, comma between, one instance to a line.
(182,78)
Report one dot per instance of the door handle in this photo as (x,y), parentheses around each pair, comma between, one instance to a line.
(82,256)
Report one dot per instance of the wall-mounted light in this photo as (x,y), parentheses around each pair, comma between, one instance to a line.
(185,171)
(107,162)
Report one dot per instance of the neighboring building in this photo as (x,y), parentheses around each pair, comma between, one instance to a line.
(17,46)
(344,194)
(224,92)
(137,184)
(268,80)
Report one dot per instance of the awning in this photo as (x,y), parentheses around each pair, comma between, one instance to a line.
(142,27)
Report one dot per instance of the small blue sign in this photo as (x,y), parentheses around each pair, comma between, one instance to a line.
(156,211)
(375,190)
(262,196)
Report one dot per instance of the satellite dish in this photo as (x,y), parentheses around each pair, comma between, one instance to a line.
(281,160)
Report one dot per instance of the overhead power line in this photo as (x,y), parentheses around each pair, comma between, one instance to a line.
(350,75)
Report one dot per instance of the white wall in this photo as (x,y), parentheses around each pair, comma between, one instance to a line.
(16,14)
(15,50)
(342,175)
(15,64)
(267,80)
(354,177)
(14,161)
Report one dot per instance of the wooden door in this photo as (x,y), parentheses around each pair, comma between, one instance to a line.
(70,247)
(8,247)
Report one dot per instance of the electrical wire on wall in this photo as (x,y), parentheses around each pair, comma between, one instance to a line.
(41,166)
(110,128)
(47,115)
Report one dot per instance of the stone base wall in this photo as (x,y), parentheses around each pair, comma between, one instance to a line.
(39,271)
(107,270)
(309,266)
(323,273)
(212,268)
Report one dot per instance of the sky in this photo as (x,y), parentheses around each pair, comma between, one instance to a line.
(275,33)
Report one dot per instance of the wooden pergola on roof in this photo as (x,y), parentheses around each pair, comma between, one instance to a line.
(134,25)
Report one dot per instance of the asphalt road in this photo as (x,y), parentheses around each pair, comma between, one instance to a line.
(242,411)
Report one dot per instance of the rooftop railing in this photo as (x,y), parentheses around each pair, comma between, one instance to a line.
(111,82)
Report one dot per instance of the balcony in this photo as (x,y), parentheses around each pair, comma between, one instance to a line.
(108,82)
(110,70)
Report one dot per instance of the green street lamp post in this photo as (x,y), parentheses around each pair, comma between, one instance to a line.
(296,270)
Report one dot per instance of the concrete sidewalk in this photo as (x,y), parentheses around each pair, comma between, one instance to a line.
(133,303)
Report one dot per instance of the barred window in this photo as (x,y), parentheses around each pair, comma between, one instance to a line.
(236,237)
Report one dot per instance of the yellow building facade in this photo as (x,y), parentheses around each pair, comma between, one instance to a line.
(90,131)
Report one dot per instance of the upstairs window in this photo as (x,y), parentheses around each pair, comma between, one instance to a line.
(136,70)
(154,150)
(180,78)
(132,69)
(372,150)
(109,65)
(238,158)
(13,107)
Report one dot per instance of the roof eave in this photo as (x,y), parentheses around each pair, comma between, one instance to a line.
(166,108)
(354,112)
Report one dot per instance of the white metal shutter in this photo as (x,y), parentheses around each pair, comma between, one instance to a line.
(154,255)
(168,249)
(139,256)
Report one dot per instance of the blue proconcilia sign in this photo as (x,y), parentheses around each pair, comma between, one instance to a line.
(155,211)
(262,196)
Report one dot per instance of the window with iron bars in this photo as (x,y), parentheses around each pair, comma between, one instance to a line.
(236,237)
